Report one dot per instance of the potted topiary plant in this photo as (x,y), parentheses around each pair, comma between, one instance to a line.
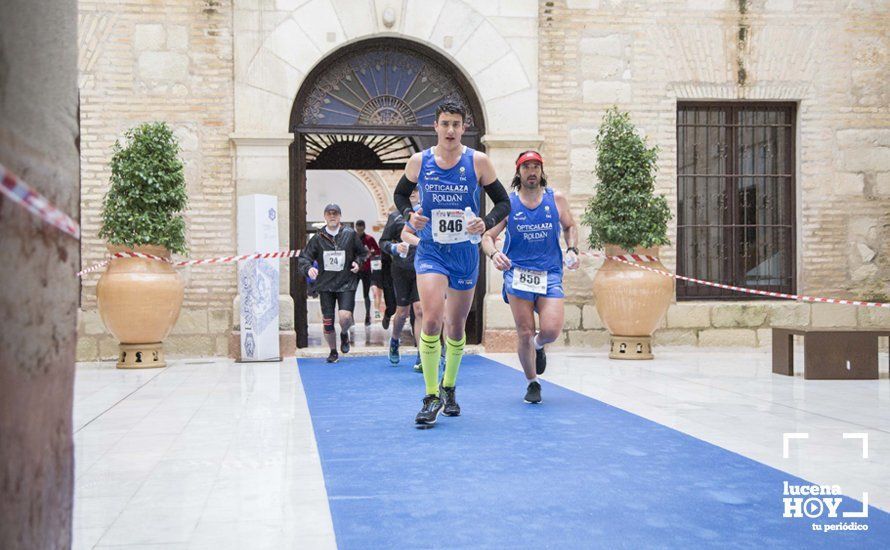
(625,217)
(139,299)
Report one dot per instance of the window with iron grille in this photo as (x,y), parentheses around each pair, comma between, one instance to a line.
(735,197)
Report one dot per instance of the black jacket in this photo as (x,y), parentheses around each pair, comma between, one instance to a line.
(392,234)
(333,281)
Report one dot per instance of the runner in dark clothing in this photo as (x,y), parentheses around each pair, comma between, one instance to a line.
(369,276)
(389,295)
(404,280)
(339,253)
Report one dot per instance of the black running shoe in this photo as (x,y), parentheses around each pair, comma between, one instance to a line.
(533,395)
(385,321)
(344,343)
(333,357)
(430,410)
(451,407)
(394,351)
(540,361)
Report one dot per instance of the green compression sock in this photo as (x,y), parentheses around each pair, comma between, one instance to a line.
(454,352)
(430,348)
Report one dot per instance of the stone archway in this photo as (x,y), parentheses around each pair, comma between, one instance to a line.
(278,54)
(368,106)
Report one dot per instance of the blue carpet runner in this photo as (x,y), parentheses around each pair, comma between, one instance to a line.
(572,472)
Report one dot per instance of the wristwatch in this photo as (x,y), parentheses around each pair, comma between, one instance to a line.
(573,249)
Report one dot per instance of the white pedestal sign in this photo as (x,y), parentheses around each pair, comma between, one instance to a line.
(258,279)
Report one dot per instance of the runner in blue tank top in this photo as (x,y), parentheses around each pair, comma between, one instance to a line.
(447,193)
(450,177)
(532,263)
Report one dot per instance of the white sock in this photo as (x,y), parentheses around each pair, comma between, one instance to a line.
(535,379)
(537,345)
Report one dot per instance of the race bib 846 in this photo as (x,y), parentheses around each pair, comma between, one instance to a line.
(448,226)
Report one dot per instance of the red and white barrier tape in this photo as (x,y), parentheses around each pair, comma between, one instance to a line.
(220,260)
(230,259)
(796,297)
(21,193)
(92,269)
(630,259)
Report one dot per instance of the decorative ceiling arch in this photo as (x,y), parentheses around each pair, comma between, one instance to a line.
(369,152)
(379,190)
(386,82)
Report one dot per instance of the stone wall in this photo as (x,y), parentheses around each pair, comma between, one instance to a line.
(831,57)
(171,61)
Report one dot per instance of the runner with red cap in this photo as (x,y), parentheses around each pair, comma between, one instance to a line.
(532,262)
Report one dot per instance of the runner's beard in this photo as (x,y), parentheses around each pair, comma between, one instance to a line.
(529,185)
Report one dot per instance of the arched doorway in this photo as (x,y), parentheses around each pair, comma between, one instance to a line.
(370,106)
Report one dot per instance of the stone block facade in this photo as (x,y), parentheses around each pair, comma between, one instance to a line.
(225,75)
(646,56)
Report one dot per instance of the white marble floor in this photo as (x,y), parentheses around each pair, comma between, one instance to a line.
(202,454)
(215,454)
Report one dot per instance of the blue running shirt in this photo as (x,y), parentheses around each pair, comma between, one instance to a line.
(444,194)
(532,240)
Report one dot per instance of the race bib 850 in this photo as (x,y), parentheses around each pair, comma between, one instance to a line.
(529,280)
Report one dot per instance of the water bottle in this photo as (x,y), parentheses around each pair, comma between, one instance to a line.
(570,264)
(395,250)
(468,215)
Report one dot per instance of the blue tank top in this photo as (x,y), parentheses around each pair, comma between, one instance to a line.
(532,240)
(452,189)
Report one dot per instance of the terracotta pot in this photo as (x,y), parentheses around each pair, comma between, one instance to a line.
(631,302)
(139,302)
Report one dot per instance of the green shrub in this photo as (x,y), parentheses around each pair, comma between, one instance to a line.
(625,211)
(147,194)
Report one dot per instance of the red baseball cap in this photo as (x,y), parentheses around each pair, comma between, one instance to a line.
(529,156)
